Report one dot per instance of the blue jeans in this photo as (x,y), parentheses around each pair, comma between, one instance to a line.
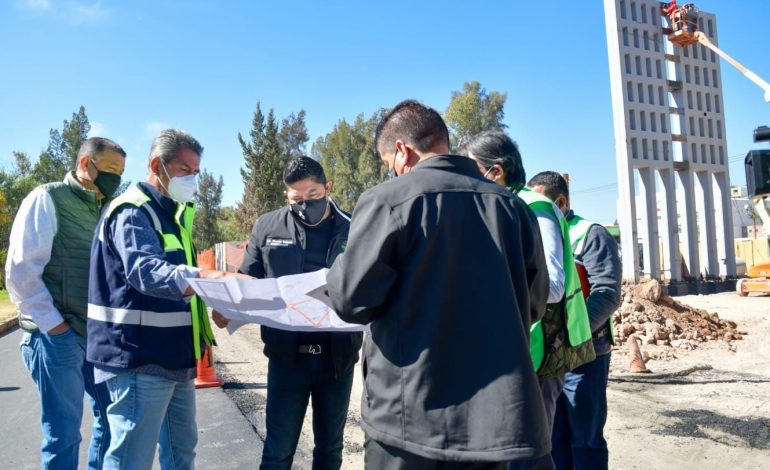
(288,391)
(578,432)
(147,410)
(58,367)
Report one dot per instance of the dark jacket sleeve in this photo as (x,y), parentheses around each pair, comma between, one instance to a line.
(535,265)
(361,278)
(602,262)
(252,263)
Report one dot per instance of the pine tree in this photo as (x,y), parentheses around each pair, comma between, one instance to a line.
(206,230)
(263,172)
(61,154)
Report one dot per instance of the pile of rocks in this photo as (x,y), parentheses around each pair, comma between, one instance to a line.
(658,319)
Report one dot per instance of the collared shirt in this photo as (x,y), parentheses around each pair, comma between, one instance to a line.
(553,248)
(29,251)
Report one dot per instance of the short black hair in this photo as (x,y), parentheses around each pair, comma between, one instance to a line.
(554,184)
(94,146)
(415,124)
(495,147)
(300,168)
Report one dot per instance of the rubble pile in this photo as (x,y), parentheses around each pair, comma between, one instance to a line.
(658,319)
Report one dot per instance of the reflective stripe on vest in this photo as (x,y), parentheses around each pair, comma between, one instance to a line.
(578,324)
(126,316)
(198,318)
(578,231)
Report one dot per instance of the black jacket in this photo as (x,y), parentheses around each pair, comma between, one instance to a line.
(277,248)
(449,269)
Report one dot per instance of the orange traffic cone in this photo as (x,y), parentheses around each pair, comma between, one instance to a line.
(207,375)
(637,361)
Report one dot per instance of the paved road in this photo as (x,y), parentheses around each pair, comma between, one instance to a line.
(226,439)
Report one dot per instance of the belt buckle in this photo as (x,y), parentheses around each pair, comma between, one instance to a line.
(314,349)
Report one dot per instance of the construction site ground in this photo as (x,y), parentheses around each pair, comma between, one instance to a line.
(704,408)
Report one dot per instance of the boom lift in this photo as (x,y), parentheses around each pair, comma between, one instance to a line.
(683,31)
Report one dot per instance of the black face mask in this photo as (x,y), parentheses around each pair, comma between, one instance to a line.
(106,182)
(311,212)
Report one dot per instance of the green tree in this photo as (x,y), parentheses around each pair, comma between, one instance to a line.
(350,159)
(206,232)
(262,175)
(293,135)
(473,110)
(61,153)
(228,225)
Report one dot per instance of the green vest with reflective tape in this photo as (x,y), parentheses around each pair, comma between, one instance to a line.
(553,352)
(578,230)
(185,214)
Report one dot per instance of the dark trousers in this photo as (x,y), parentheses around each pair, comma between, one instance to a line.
(581,412)
(380,456)
(288,392)
(551,390)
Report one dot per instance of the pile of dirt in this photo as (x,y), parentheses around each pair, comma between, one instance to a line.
(658,319)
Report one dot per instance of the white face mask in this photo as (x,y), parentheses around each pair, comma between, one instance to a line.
(182,189)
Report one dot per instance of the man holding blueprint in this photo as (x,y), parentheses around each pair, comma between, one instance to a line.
(306,236)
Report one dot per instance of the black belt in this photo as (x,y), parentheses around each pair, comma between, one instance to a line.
(601,333)
(310,349)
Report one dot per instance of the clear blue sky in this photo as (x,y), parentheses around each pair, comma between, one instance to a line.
(141,66)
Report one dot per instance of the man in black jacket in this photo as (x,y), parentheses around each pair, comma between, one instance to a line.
(449,269)
(305,236)
(581,410)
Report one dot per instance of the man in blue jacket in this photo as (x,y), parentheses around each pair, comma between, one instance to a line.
(145,329)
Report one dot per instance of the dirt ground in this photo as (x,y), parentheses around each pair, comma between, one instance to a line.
(706,408)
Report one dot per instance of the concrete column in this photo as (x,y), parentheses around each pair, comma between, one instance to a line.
(688,224)
(724,233)
(647,196)
(627,222)
(708,243)
(668,225)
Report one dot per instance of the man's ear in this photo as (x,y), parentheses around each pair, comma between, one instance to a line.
(328,187)
(155,166)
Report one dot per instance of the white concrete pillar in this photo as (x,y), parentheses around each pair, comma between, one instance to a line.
(668,225)
(723,219)
(647,195)
(706,229)
(688,225)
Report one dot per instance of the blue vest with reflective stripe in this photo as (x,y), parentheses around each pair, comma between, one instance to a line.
(126,328)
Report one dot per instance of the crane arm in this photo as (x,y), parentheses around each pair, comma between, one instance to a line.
(703,39)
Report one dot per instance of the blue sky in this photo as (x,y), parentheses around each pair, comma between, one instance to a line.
(144,65)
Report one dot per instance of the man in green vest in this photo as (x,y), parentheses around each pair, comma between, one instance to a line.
(581,410)
(561,341)
(47,278)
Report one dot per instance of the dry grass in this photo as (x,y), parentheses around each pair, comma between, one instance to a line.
(7,308)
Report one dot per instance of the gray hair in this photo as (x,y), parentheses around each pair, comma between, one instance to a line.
(170,141)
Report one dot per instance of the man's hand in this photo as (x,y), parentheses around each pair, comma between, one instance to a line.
(59,329)
(214,274)
(219,319)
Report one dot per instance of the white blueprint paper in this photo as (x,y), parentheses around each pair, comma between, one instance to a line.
(281,302)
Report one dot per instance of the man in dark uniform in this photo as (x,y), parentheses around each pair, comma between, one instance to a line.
(305,236)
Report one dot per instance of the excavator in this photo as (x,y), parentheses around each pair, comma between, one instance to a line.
(683,30)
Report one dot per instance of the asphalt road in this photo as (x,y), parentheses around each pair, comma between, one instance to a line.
(226,439)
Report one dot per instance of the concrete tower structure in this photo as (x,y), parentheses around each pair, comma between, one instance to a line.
(670,147)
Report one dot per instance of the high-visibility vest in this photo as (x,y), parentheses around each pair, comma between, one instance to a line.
(172,243)
(577,322)
(578,230)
